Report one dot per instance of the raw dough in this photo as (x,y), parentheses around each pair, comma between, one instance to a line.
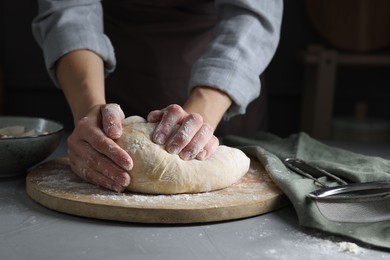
(156,171)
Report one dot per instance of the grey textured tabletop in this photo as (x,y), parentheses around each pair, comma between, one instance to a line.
(31,231)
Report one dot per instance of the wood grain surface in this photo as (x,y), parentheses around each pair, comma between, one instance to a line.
(351,25)
(55,186)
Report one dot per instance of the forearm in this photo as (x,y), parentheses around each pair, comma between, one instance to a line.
(81,76)
(244,40)
(210,103)
(64,26)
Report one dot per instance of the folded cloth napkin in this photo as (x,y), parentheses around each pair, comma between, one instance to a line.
(270,150)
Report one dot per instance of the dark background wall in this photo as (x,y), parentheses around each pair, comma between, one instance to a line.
(29,91)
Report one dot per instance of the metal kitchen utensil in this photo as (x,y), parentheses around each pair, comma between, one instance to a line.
(353,203)
(310,171)
(356,191)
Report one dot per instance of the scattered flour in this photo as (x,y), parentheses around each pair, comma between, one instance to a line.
(349,247)
(60,181)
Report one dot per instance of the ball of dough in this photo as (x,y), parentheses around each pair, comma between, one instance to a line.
(156,171)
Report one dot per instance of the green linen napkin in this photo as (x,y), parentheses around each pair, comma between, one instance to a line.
(270,150)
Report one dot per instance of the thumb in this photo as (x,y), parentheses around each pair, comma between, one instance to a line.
(112,116)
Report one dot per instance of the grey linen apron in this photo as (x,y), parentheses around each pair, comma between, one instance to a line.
(156,43)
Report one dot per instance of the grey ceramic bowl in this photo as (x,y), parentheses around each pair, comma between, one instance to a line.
(18,154)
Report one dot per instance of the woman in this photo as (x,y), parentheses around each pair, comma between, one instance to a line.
(204,55)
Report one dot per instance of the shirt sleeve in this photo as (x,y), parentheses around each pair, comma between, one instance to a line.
(243,43)
(62,26)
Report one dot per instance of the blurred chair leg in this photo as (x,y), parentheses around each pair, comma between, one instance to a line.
(2,92)
(320,79)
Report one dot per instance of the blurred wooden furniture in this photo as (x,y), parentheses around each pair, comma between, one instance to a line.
(2,91)
(320,82)
(353,25)
(353,28)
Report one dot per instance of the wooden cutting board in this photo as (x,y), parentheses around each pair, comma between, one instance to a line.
(55,186)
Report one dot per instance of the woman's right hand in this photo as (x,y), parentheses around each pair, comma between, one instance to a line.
(94,155)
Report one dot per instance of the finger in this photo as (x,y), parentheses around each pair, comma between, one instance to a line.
(155,116)
(209,149)
(90,159)
(112,116)
(190,126)
(198,142)
(172,116)
(99,141)
(96,178)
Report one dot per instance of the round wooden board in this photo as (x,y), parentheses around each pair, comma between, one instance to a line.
(55,186)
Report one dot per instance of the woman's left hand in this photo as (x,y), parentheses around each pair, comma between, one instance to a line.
(182,133)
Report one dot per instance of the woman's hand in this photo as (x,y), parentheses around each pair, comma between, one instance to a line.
(183,133)
(93,154)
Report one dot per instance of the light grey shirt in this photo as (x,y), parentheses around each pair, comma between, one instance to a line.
(243,43)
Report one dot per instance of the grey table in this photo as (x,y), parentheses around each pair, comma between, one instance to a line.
(30,231)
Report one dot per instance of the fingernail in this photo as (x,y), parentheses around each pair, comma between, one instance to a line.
(128,167)
(187,155)
(112,130)
(127,164)
(122,180)
(173,149)
(160,139)
(201,155)
(117,188)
